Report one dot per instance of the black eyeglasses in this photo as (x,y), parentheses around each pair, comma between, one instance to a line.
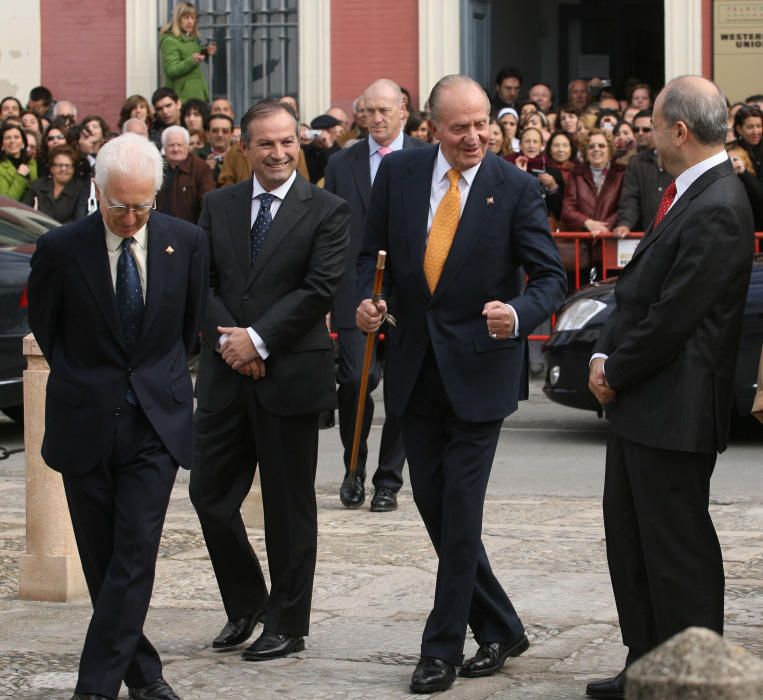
(642,129)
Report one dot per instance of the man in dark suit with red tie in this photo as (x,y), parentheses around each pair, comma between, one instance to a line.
(115,302)
(266,372)
(461,228)
(664,369)
(350,174)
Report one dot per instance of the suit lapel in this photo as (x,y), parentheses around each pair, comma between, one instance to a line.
(416,189)
(292,209)
(361,172)
(479,208)
(158,265)
(93,260)
(240,220)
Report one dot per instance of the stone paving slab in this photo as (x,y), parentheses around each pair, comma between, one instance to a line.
(373,589)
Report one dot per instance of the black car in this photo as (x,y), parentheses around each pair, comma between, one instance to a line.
(20,227)
(580,320)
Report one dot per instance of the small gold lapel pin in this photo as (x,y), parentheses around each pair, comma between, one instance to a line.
(490,201)
(169,250)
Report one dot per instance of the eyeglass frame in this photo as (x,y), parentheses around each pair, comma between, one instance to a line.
(643,129)
(120,209)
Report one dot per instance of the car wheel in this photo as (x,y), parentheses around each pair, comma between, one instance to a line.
(15,413)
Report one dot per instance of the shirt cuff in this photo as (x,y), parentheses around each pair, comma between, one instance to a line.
(221,341)
(516,320)
(259,343)
(596,356)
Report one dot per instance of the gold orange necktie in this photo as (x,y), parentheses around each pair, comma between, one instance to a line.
(444,225)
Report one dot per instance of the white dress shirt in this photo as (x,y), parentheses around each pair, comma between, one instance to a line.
(683,182)
(440,186)
(138,250)
(280,194)
(375,159)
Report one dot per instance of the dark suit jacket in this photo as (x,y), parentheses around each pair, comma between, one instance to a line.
(73,315)
(672,339)
(643,186)
(348,175)
(284,296)
(503,226)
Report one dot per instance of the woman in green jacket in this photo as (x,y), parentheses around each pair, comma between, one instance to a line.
(17,170)
(182,54)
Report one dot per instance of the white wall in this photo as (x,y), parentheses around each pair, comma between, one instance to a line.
(20,50)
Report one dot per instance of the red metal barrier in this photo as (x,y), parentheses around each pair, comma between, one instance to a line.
(608,243)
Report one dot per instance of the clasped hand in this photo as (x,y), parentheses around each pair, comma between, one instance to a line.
(239,352)
(597,382)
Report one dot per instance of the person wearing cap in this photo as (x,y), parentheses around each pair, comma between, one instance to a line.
(510,119)
(323,145)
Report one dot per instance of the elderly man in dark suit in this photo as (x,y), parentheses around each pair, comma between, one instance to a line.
(460,226)
(664,369)
(350,174)
(278,247)
(115,302)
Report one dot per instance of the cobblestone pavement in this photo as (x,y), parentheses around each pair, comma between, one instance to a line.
(373,588)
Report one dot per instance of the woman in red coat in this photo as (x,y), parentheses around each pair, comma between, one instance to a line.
(593,188)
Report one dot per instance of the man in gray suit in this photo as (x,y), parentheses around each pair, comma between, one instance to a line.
(277,248)
(350,174)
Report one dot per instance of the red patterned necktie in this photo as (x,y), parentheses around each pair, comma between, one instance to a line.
(667,200)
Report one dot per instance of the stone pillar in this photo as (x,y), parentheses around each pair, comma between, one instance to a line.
(50,569)
(251,510)
(696,663)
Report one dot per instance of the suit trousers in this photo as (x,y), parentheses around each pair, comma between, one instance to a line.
(118,511)
(664,557)
(389,473)
(229,444)
(450,461)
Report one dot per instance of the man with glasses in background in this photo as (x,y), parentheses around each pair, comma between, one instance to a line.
(644,182)
(115,302)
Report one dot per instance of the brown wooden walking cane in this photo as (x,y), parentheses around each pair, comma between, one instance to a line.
(367,359)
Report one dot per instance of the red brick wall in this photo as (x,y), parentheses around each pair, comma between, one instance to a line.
(83,54)
(370,41)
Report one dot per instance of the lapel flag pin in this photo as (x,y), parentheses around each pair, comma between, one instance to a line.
(490,201)
(169,250)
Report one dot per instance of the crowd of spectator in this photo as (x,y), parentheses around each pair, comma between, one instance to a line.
(593,154)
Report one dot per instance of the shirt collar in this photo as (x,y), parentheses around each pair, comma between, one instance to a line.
(690,175)
(113,242)
(442,166)
(281,191)
(395,145)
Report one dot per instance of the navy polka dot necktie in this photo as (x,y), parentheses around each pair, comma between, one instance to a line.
(261,224)
(129,296)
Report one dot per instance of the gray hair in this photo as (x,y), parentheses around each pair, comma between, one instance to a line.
(134,125)
(447,82)
(175,129)
(699,104)
(131,155)
(57,107)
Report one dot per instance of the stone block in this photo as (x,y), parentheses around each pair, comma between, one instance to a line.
(696,664)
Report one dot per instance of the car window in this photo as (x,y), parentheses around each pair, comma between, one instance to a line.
(22,226)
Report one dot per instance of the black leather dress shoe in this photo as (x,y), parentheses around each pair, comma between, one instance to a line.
(89,696)
(608,687)
(158,690)
(384,500)
(432,675)
(238,631)
(491,658)
(352,492)
(273,646)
